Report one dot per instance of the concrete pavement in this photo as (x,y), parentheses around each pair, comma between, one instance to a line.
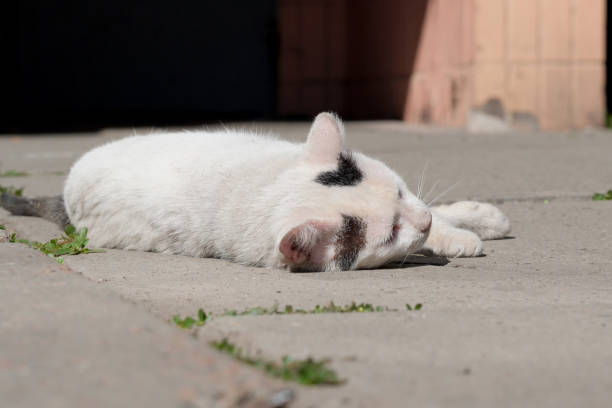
(67,342)
(530,324)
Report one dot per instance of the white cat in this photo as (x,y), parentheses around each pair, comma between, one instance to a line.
(261,201)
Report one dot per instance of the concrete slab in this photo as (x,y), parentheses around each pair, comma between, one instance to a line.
(507,356)
(68,343)
(527,325)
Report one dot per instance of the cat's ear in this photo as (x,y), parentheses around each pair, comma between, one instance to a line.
(309,246)
(325,139)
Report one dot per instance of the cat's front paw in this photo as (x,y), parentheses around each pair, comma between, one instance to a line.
(484,219)
(463,243)
(458,243)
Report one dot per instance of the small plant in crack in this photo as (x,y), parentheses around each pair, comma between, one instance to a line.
(72,243)
(604,196)
(12,190)
(13,173)
(188,322)
(56,173)
(308,371)
(331,307)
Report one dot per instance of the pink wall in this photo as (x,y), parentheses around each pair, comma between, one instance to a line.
(440,89)
(433,61)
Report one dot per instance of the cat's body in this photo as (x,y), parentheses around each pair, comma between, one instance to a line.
(262,201)
(183,193)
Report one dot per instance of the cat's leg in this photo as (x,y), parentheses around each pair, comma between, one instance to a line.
(484,219)
(447,240)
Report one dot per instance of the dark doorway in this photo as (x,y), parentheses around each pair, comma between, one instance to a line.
(355,57)
(87,64)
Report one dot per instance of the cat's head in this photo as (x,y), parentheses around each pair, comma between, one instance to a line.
(346,210)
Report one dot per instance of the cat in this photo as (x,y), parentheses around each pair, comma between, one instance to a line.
(259,201)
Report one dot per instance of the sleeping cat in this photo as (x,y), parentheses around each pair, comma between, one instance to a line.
(259,201)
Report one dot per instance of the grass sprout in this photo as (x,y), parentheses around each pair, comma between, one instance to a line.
(307,372)
(329,308)
(188,322)
(13,173)
(601,197)
(72,243)
(12,190)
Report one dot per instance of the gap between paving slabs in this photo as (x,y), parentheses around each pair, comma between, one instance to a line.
(308,371)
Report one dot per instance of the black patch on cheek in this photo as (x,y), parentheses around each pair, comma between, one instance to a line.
(351,239)
(348,174)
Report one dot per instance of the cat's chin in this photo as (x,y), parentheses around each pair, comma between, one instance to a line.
(304,267)
(398,253)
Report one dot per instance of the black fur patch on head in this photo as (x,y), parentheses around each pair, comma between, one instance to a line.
(348,174)
(351,239)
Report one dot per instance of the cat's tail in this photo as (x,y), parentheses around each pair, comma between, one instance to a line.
(49,208)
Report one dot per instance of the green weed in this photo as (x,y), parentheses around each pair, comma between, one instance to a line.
(188,321)
(307,372)
(418,306)
(329,308)
(12,190)
(2,227)
(600,196)
(13,173)
(72,243)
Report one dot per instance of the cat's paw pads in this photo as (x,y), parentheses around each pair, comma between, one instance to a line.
(462,243)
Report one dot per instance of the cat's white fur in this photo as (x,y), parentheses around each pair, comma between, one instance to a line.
(254,200)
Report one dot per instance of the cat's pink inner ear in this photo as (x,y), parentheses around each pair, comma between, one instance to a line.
(308,243)
(292,251)
(325,139)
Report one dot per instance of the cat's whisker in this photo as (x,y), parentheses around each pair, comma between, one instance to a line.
(443,193)
(422,180)
(431,190)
